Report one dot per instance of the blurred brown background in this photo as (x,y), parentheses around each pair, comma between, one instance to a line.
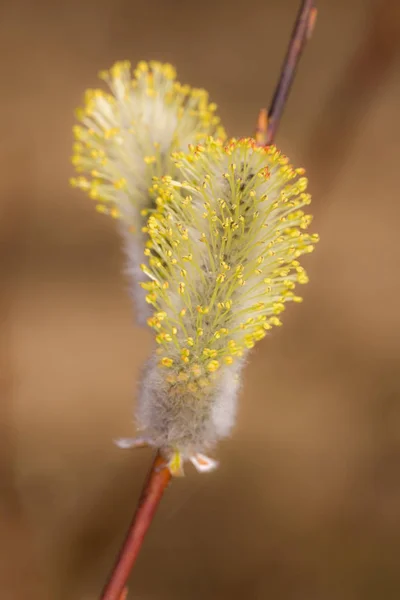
(306,503)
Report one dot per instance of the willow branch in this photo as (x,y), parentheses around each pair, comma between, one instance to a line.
(303,28)
(160,476)
(153,491)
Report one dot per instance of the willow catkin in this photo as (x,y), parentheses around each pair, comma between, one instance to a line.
(126,137)
(222,261)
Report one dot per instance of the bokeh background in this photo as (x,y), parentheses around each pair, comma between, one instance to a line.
(306,503)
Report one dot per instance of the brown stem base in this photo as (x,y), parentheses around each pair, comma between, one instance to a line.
(153,491)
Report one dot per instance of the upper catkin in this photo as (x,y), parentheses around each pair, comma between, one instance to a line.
(126,138)
(223,261)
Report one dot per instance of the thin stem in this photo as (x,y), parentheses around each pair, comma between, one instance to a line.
(153,491)
(301,33)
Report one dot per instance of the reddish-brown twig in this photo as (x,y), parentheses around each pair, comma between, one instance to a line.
(160,476)
(154,488)
(302,31)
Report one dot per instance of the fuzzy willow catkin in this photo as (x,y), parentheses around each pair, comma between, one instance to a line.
(222,261)
(126,137)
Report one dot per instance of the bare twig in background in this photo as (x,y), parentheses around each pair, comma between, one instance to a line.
(362,80)
(160,476)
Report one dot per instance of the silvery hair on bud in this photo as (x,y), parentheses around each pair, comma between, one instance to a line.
(182,420)
(133,249)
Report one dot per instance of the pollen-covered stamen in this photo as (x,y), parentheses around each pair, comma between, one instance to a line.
(230,241)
